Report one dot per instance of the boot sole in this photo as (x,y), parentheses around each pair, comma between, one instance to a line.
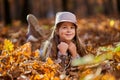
(33,20)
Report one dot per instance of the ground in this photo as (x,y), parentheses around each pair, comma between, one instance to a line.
(100,35)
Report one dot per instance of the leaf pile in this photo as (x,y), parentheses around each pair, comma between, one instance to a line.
(101,36)
(102,66)
(99,31)
(23,64)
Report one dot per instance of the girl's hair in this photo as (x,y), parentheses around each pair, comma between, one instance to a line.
(55,41)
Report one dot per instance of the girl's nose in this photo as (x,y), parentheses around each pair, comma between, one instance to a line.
(69,29)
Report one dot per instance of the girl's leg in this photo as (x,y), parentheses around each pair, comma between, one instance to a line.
(35,32)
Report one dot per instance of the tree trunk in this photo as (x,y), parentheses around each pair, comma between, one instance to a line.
(17,9)
(25,10)
(108,8)
(6,12)
(1,10)
(118,5)
(64,5)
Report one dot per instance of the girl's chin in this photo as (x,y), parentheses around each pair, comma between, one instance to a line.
(67,40)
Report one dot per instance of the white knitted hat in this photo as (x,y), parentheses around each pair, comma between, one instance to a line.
(65,17)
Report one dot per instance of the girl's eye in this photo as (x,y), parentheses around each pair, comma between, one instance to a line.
(72,27)
(64,27)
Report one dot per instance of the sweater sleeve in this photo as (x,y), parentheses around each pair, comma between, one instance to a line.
(61,57)
(77,56)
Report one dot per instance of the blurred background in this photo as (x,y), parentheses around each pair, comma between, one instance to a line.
(11,10)
(99,30)
(98,20)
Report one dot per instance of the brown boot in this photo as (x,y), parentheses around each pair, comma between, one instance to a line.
(35,32)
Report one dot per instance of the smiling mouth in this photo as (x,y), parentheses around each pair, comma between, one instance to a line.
(68,34)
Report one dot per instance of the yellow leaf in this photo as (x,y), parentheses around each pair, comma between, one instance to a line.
(86,72)
(117,56)
(24,50)
(112,22)
(36,53)
(38,77)
(56,78)
(49,61)
(108,76)
(118,66)
(8,45)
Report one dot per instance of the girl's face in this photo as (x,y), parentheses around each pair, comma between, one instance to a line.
(66,31)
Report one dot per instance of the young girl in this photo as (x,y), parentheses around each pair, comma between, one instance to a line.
(64,44)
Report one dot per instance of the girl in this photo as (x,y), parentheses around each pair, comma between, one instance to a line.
(64,44)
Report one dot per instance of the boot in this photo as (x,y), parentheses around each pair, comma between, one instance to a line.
(35,32)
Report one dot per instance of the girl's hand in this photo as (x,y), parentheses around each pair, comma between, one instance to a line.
(72,49)
(63,47)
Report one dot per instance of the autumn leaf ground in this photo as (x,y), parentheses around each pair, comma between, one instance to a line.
(100,36)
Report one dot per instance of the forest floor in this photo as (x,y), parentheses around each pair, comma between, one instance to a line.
(101,36)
